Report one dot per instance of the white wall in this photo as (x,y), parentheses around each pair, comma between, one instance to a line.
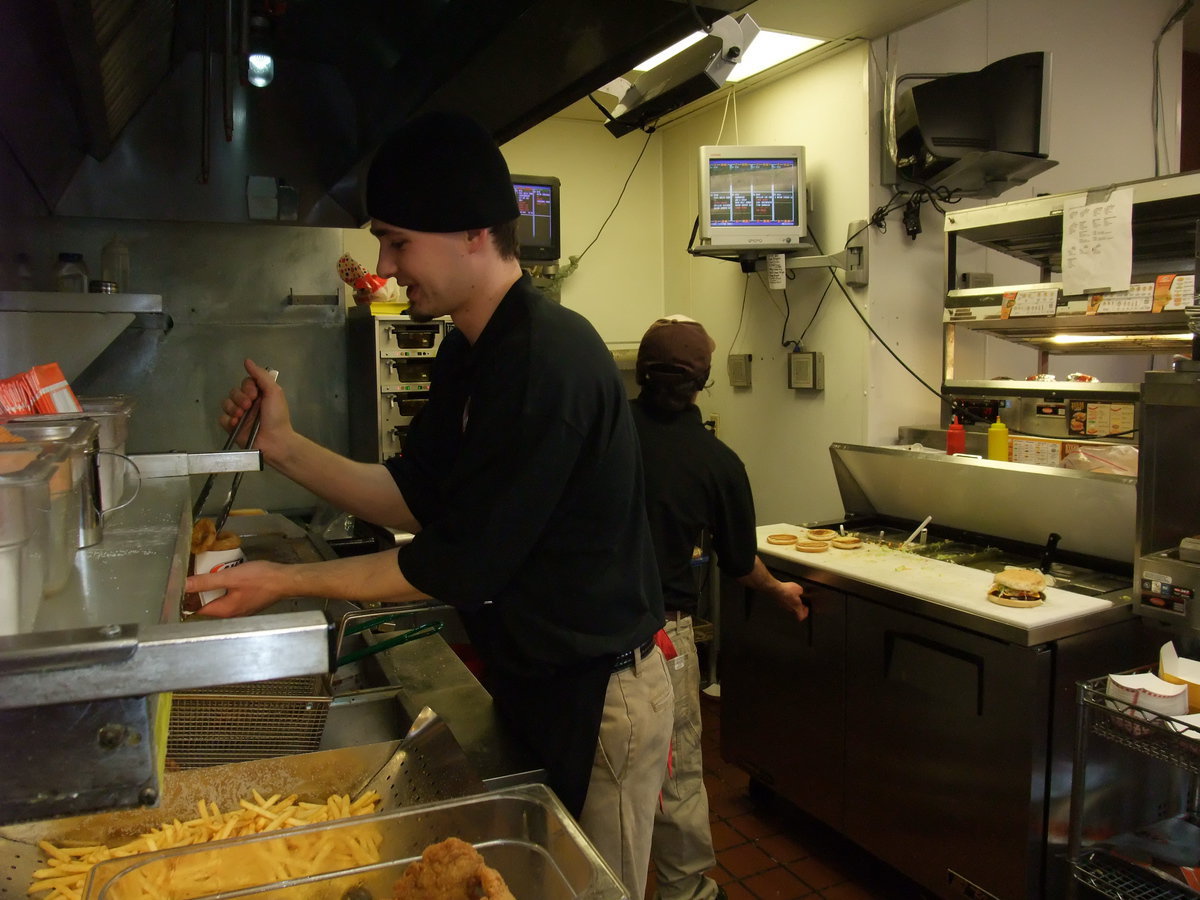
(619,283)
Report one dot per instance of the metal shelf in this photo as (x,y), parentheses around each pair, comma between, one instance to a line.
(1158,737)
(1165,214)
(1048,389)
(1120,880)
(76,302)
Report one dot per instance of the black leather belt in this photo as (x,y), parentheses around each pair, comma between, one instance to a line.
(625,660)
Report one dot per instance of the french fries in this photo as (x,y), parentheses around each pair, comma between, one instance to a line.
(205,537)
(201,873)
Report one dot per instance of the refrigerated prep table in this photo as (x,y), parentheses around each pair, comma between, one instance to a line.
(933,727)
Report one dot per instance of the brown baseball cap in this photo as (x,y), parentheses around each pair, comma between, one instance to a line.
(676,344)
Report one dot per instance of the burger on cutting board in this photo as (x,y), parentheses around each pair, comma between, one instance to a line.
(1018,587)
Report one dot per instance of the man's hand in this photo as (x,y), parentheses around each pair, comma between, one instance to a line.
(790,596)
(250,587)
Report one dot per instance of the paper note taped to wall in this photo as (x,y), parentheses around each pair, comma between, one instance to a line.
(1097,242)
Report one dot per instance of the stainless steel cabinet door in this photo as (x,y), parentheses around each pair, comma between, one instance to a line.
(946,751)
(782,694)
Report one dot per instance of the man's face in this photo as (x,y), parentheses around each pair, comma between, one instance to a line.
(431,265)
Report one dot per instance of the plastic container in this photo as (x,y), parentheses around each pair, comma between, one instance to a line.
(956,437)
(71,274)
(114,264)
(36,550)
(81,437)
(997,441)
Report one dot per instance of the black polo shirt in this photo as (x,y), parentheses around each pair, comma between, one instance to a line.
(694,483)
(525,474)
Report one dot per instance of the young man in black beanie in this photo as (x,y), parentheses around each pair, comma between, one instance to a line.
(695,486)
(521,480)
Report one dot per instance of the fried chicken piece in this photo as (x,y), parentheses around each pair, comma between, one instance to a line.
(451,870)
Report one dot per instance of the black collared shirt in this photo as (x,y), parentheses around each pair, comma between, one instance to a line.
(694,484)
(525,474)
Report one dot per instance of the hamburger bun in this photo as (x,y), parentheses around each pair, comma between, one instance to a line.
(821,534)
(1021,588)
(846,542)
(781,538)
(812,546)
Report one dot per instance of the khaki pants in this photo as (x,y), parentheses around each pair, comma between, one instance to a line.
(628,771)
(682,849)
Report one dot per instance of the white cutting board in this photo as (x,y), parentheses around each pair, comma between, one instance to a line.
(931,579)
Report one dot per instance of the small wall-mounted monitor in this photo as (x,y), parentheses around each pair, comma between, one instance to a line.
(978,133)
(538,228)
(751,199)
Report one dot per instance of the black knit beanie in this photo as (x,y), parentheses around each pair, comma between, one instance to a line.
(440,172)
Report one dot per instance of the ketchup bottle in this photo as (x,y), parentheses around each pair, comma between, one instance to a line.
(956,438)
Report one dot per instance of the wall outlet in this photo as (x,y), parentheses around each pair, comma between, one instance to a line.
(713,424)
(806,371)
(738,366)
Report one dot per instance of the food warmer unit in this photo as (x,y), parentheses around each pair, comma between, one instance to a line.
(1113,856)
(929,725)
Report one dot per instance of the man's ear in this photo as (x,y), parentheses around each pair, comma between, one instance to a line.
(477,236)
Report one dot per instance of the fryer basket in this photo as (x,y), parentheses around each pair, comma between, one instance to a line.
(240,722)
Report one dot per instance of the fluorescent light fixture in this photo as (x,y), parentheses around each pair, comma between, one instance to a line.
(1118,338)
(260,69)
(769,48)
(675,49)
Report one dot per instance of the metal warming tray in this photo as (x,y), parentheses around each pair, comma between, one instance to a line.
(523,832)
(428,765)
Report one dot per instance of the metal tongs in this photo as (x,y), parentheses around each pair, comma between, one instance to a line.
(250,416)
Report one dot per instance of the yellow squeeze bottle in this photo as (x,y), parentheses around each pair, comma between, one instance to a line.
(997,441)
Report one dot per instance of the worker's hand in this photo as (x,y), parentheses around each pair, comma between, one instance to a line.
(790,596)
(273,411)
(250,587)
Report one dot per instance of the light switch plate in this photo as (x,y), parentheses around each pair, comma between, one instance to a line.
(738,367)
(806,371)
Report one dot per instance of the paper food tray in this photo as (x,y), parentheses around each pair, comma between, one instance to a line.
(523,832)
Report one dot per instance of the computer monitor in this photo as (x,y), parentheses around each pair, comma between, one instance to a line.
(751,199)
(962,131)
(538,229)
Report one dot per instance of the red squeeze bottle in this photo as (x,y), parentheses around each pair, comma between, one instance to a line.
(956,437)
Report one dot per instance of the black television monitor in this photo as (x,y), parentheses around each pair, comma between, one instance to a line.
(538,229)
(967,130)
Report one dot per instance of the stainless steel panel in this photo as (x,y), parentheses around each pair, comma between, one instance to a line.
(225,290)
(80,757)
(946,737)
(1093,513)
(783,695)
(166,657)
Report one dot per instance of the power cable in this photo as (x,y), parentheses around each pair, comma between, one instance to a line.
(878,337)
(649,134)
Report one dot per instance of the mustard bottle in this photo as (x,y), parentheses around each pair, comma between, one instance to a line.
(997,441)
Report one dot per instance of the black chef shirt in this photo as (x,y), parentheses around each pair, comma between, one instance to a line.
(525,474)
(694,483)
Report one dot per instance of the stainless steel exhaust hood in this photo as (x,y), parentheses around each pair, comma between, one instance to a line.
(139,108)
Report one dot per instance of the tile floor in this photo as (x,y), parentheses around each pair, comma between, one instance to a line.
(769,851)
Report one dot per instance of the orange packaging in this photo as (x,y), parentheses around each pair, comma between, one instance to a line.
(50,389)
(15,396)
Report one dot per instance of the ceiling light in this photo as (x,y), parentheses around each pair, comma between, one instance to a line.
(768,49)
(675,48)
(260,69)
